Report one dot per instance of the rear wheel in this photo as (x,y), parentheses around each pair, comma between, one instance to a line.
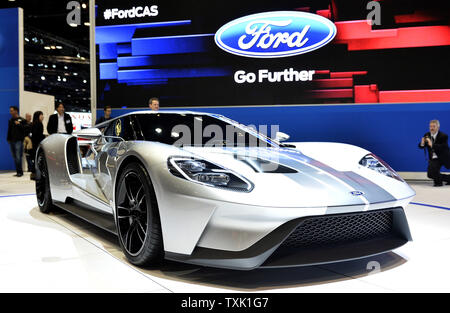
(137,217)
(43,193)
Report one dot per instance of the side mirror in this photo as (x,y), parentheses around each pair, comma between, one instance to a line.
(280,137)
(89,134)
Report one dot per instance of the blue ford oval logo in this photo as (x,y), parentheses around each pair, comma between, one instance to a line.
(357,193)
(275,34)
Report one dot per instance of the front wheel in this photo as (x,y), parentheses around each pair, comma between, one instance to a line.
(137,217)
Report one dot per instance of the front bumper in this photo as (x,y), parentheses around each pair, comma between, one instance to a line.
(313,240)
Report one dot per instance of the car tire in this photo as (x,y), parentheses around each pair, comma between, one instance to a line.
(137,217)
(43,192)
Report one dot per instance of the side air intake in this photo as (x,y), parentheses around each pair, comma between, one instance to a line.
(72,156)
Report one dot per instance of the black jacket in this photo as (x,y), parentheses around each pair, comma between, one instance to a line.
(102,119)
(37,134)
(27,129)
(52,126)
(440,147)
(16,132)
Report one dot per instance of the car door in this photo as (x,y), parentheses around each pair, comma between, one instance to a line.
(109,149)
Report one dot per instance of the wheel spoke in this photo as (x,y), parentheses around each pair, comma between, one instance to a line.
(137,232)
(141,227)
(128,191)
(121,214)
(139,191)
(140,202)
(132,228)
(128,239)
(125,209)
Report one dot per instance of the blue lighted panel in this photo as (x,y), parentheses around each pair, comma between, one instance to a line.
(120,54)
(9,76)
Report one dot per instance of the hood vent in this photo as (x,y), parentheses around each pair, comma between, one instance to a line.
(268,167)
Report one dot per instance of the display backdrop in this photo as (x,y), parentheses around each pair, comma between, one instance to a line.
(9,77)
(174,50)
(372,86)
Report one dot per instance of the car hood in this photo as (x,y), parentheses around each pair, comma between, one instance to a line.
(293,179)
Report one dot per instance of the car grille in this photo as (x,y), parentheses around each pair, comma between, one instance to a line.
(340,229)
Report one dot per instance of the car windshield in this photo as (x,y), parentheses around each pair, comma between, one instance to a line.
(199,130)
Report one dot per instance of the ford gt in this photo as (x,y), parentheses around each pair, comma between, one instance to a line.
(203,189)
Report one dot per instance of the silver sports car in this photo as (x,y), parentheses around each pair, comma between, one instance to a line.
(203,189)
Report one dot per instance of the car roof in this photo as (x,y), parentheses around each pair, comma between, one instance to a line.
(171,112)
(148,112)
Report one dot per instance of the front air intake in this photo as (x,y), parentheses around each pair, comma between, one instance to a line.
(340,237)
(340,229)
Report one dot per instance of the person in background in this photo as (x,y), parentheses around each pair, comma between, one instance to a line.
(28,118)
(153,103)
(37,135)
(27,144)
(436,143)
(16,135)
(60,123)
(107,110)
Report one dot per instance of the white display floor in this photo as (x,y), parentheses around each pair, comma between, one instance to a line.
(60,253)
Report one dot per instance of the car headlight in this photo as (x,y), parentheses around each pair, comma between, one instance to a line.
(209,174)
(372,162)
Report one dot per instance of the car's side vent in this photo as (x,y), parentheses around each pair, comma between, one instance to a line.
(72,156)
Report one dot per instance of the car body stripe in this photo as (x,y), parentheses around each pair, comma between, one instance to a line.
(373,193)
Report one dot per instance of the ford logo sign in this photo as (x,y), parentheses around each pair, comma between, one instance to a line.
(357,193)
(275,34)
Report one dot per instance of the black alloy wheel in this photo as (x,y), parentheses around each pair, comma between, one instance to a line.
(43,193)
(137,217)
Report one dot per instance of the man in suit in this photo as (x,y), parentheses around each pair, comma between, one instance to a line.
(153,104)
(16,134)
(60,123)
(108,111)
(436,143)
